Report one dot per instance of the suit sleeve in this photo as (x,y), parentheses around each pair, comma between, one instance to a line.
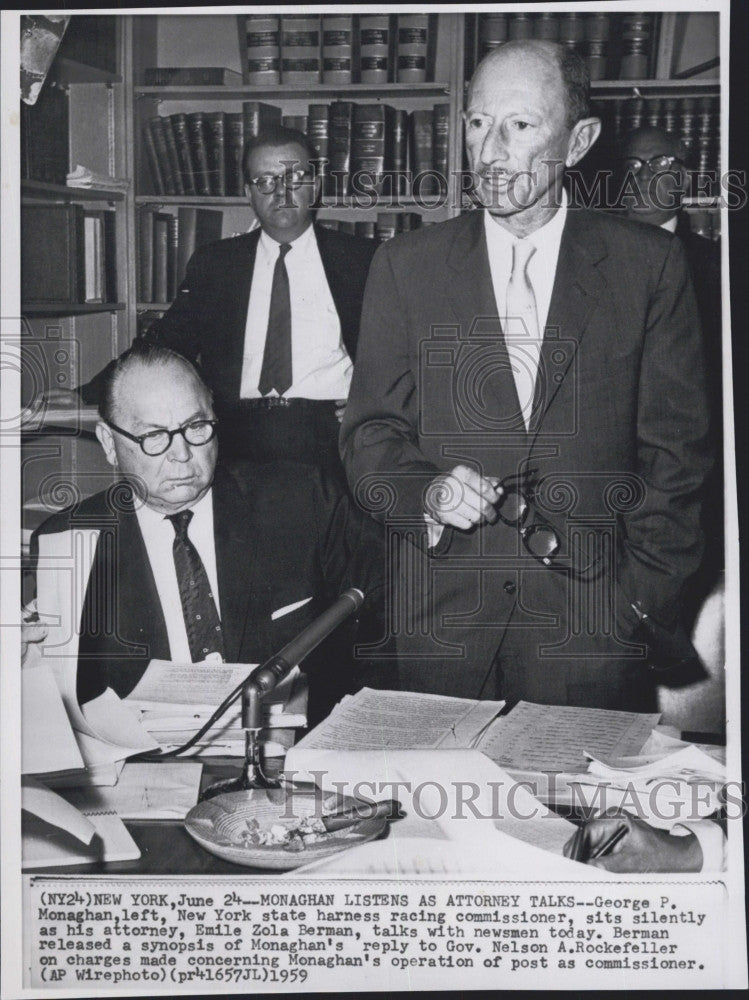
(663,540)
(386,470)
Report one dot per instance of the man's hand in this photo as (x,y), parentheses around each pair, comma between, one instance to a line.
(642,849)
(340,408)
(463,499)
(31,634)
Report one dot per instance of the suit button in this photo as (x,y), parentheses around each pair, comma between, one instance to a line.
(509,587)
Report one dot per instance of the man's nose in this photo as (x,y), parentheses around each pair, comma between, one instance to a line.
(494,146)
(179,450)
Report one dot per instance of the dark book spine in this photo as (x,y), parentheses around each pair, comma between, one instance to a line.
(155,129)
(365,229)
(597,36)
(493,31)
(374,48)
(154,163)
(199,152)
(571,31)
(318,132)
(337,49)
(234,149)
(160,256)
(409,221)
(186,227)
(300,49)
(145,255)
(413,46)
(687,122)
(636,35)
(546,27)
(258,116)
(653,112)
(386,226)
(422,151)
(368,145)
(110,256)
(396,150)
(215,131)
(45,151)
(172,156)
(190,76)
(184,153)
(298,122)
(341,122)
(263,59)
(172,249)
(441,144)
(520,27)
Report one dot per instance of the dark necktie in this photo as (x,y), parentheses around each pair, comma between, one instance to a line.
(202,622)
(276,370)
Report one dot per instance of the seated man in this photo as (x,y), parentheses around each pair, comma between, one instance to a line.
(191,562)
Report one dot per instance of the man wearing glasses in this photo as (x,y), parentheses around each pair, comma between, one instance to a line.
(188,562)
(273,315)
(528,407)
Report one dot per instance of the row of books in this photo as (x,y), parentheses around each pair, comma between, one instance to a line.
(68,255)
(166,243)
(616,46)
(201,153)
(384,227)
(341,49)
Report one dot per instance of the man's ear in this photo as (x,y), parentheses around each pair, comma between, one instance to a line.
(582,137)
(106,440)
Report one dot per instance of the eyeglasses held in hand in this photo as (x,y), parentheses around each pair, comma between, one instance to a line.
(291,180)
(515,508)
(656,164)
(196,433)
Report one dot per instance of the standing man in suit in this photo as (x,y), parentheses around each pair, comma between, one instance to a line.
(184,561)
(528,414)
(273,316)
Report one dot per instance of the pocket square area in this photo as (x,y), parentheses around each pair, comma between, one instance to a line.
(287,609)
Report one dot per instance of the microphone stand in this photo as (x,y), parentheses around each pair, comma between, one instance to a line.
(264,679)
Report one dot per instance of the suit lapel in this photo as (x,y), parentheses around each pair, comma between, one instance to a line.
(236,565)
(140,614)
(337,276)
(471,296)
(578,286)
(237,283)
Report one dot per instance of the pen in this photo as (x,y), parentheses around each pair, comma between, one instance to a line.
(609,843)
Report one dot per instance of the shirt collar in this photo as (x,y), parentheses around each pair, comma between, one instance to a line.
(547,237)
(202,513)
(670,224)
(301,245)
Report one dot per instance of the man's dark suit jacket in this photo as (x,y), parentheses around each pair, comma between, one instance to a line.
(618,439)
(282,534)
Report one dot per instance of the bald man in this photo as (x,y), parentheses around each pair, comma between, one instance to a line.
(528,415)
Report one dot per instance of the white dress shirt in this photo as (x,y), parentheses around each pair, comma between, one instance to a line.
(321,368)
(542,267)
(158,535)
(670,224)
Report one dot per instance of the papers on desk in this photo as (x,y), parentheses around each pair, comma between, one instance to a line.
(173,700)
(557,738)
(504,832)
(402,720)
(47,741)
(165,790)
(56,833)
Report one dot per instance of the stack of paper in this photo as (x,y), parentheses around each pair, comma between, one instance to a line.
(402,720)
(83,177)
(173,701)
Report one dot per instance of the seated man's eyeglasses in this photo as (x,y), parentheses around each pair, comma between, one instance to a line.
(656,164)
(154,443)
(291,180)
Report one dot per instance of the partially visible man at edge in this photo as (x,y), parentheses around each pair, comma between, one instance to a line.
(530,384)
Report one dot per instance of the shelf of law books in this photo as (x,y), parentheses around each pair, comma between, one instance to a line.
(646,69)
(376,94)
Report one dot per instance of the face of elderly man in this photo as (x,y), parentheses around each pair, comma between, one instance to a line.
(161,397)
(517,135)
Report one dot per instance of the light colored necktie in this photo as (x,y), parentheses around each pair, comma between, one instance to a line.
(521,329)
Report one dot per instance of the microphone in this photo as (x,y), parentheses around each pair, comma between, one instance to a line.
(267,675)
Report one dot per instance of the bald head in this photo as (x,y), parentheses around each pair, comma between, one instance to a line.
(565,72)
